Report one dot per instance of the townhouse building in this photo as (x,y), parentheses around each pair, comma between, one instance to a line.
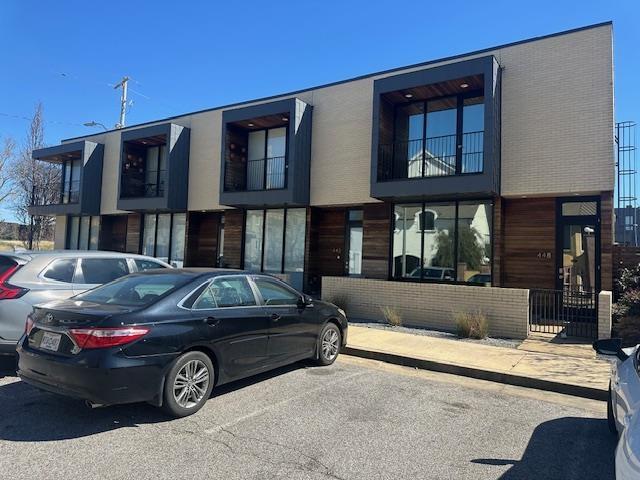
(493,168)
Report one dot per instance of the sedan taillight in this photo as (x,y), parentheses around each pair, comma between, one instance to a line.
(8,291)
(106,337)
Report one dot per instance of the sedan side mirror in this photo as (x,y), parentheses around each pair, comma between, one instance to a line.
(610,347)
(305,301)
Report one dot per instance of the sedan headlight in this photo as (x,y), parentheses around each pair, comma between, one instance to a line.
(342,312)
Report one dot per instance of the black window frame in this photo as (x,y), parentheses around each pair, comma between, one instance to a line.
(91,225)
(460,98)
(424,205)
(265,158)
(284,237)
(155,234)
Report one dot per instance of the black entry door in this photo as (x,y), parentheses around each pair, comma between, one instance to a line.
(578,245)
(578,265)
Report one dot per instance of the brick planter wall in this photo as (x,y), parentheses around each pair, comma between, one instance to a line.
(432,305)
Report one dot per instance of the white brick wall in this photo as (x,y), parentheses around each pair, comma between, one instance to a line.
(432,305)
(605,300)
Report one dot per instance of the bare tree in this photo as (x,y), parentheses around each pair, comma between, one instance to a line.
(7,152)
(34,183)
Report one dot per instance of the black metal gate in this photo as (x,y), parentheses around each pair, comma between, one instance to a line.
(569,313)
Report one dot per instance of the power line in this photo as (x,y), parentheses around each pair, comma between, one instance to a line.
(28,119)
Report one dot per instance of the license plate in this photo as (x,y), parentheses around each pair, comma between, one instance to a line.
(50,341)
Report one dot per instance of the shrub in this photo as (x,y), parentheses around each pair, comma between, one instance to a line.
(628,279)
(627,305)
(472,325)
(392,316)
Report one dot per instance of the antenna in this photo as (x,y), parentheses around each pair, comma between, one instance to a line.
(123,101)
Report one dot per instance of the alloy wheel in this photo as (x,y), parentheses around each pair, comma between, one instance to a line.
(330,344)
(191,384)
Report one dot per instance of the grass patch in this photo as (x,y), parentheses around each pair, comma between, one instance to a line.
(472,325)
(11,245)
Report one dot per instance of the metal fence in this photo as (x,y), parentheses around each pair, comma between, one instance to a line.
(571,313)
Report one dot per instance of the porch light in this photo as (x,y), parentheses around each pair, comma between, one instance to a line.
(408,95)
(250,124)
(464,85)
(285,119)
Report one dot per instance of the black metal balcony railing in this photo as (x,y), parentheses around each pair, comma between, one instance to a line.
(258,174)
(146,184)
(431,157)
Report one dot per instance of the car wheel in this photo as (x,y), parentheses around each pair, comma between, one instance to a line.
(329,344)
(611,421)
(188,384)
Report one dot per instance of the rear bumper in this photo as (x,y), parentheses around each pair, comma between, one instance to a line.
(7,347)
(100,376)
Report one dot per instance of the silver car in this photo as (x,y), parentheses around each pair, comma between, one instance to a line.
(29,278)
(623,407)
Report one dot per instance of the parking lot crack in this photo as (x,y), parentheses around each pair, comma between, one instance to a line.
(313,460)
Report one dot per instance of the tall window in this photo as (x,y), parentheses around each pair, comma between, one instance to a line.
(429,141)
(443,242)
(83,233)
(266,166)
(144,171)
(71,181)
(164,236)
(354,225)
(274,240)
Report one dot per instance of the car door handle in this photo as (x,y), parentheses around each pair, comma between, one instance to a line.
(212,321)
(275,317)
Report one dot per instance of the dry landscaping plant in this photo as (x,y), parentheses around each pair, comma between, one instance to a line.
(472,325)
(392,316)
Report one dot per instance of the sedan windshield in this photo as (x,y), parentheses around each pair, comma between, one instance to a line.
(135,290)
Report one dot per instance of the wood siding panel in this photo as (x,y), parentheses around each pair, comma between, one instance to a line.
(327,244)
(498,242)
(113,233)
(134,232)
(606,241)
(233,228)
(202,239)
(529,229)
(376,226)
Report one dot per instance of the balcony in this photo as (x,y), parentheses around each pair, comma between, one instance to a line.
(154,168)
(265,154)
(432,157)
(436,132)
(75,181)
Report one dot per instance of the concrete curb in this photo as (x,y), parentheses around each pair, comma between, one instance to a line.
(499,377)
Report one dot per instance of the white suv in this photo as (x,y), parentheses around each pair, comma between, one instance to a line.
(29,278)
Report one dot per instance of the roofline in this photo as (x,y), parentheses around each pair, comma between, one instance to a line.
(353,79)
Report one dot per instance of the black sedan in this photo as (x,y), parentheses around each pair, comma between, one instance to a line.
(168,337)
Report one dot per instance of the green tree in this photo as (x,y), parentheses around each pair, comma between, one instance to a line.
(470,251)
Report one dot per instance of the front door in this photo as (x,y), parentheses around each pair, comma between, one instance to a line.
(578,265)
(578,245)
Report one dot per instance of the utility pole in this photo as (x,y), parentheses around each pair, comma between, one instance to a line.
(123,101)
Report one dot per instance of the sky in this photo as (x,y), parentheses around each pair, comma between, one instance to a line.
(191,55)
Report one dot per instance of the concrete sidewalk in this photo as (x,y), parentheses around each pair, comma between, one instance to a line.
(537,363)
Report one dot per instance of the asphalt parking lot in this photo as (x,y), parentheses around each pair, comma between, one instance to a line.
(357,419)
